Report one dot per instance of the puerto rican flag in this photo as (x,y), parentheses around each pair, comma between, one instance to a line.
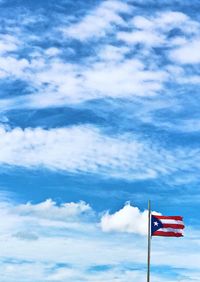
(170,226)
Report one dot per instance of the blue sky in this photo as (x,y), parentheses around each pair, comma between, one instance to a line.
(99,112)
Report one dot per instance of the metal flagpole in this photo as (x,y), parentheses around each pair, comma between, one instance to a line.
(149,241)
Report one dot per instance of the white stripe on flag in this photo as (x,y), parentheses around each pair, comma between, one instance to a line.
(171,230)
(172,221)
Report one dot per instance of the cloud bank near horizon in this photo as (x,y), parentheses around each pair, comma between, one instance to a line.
(54,238)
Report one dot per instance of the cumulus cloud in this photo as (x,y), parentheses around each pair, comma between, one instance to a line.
(128,219)
(27,221)
(48,209)
(60,232)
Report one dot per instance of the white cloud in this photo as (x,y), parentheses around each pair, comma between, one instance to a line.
(64,274)
(44,213)
(111,53)
(164,21)
(10,66)
(8,43)
(52,51)
(56,82)
(188,53)
(60,252)
(149,38)
(125,79)
(50,210)
(57,242)
(170,19)
(99,21)
(109,275)
(128,219)
(115,77)
(46,233)
(110,71)
(72,149)
(184,125)
(86,149)
(153,30)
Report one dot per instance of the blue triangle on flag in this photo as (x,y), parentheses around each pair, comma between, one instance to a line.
(156,224)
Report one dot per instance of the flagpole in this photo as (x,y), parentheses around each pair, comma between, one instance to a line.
(149,241)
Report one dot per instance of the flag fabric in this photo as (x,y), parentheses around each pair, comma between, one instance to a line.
(169,226)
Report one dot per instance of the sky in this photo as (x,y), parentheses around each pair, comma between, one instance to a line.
(99,113)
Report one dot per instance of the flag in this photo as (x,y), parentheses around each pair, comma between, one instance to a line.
(170,226)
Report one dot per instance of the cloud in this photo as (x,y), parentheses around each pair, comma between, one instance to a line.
(8,43)
(148,38)
(108,72)
(181,125)
(188,53)
(123,156)
(30,222)
(52,51)
(10,67)
(112,56)
(128,219)
(62,149)
(58,252)
(50,210)
(54,82)
(114,273)
(111,53)
(153,31)
(99,21)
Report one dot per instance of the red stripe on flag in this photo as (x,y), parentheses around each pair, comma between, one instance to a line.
(175,226)
(167,234)
(168,217)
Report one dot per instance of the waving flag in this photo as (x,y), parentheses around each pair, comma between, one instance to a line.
(170,226)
